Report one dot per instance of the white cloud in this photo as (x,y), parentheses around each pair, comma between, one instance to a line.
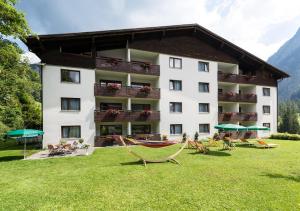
(245,23)
(30,57)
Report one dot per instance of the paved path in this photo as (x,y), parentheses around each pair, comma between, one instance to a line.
(44,154)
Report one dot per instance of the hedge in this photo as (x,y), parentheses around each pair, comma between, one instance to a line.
(285,136)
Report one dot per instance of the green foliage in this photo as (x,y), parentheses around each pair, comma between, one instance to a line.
(19,84)
(288,112)
(12,22)
(285,136)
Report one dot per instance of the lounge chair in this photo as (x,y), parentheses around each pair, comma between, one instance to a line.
(263,144)
(245,141)
(200,147)
(228,144)
(191,145)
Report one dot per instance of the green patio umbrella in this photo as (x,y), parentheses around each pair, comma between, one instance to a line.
(230,127)
(256,127)
(24,133)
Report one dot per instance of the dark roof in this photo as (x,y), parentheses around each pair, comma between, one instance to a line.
(35,43)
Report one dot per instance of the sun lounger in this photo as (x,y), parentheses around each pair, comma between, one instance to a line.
(263,144)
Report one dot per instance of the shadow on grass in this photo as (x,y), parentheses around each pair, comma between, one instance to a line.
(246,146)
(219,153)
(281,176)
(132,163)
(11,158)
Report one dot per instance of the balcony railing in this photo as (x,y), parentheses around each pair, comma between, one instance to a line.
(236,97)
(244,79)
(126,91)
(236,116)
(126,116)
(119,65)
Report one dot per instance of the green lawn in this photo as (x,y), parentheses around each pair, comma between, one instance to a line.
(110,179)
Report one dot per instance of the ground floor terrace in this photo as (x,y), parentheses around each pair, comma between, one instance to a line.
(245,178)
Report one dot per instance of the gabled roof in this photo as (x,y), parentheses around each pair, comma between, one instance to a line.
(43,42)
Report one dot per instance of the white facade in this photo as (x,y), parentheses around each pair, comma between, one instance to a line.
(190,97)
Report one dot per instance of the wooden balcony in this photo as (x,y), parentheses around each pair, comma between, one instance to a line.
(236,97)
(119,65)
(236,116)
(244,79)
(126,116)
(126,92)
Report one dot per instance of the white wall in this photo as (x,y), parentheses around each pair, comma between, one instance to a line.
(54,118)
(190,97)
(267,100)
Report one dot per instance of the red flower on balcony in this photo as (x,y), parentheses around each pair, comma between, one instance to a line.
(229,94)
(146,113)
(250,95)
(145,89)
(228,113)
(113,87)
(112,112)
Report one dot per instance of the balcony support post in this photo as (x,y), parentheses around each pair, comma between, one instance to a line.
(128,79)
(129,104)
(128,58)
(129,128)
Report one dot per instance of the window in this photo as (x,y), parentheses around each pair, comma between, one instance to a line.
(175,129)
(266,92)
(267,125)
(71,76)
(140,107)
(110,130)
(175,107)
(175,63)
(106,106)
(141,129)
(105,83)
(220,109)
(70,132)
(204,107)
(68,104)
(266,109)
(203,128)
(139,85)
(203,66)
(203,87)
(175,85)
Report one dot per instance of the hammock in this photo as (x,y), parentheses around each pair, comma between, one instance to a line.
(158,144)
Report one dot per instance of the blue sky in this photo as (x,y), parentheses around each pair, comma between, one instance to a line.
(260,27)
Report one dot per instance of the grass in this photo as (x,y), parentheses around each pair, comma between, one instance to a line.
(111,179)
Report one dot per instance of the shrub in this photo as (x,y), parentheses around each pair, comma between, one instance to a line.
(285,136)
(184,136)
(196,136)
(81,140)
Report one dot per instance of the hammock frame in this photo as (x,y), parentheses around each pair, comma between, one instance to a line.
(170,158)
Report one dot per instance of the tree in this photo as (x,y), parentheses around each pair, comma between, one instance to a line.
(19,84)
(288,112)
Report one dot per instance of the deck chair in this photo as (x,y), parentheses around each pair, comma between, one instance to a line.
(228,144)
(245,141)
(263,144)
(200,147)
(191,145)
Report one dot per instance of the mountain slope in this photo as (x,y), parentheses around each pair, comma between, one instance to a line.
(287,58)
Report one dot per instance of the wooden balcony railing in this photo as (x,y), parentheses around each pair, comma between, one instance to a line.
(119,65)
(236,116)
(126,91)
(126,116)
(245,79)
(236,97)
